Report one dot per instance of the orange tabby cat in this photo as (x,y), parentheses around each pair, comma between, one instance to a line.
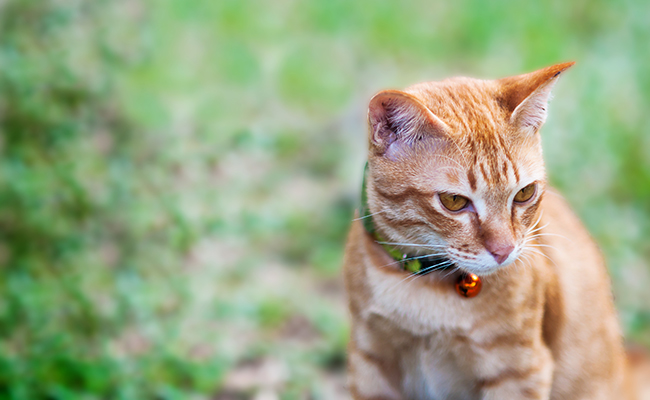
(456,180)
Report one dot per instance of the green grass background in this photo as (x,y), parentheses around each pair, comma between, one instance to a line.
(177,178)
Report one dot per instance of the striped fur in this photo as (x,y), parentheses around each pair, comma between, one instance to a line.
(544,326)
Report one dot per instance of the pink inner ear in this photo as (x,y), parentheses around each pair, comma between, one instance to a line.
(399,119)
(515,89)
(531,113)
(381,133)
(526,96)
(394,116)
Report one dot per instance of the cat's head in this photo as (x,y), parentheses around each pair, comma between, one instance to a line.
(456,168)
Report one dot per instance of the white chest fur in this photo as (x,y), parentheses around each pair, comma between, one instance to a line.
(450,337)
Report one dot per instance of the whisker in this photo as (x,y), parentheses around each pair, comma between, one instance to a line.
(525,258)
(412,258)
(543,245)
(424,256)
(536,230)
(428,271)
(527,264)
(409,277)
(548,234)
(515,267)
(451,272)
(414,276)
(534,227)
(412,244)
(532,238)
(369,215)
(537,251)
(434,267)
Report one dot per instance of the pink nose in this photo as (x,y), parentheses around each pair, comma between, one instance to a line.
(500,252)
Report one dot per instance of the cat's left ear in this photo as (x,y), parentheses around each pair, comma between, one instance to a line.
(398,120)
(526,96)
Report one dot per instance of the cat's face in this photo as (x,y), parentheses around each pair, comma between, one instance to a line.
(456,167)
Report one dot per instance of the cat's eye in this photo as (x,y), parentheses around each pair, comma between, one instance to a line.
(453,202)
(526,193)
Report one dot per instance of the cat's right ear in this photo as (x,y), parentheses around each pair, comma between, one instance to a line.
(526,96)
(398,119)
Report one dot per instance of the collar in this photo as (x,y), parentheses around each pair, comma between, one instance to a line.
(417,265)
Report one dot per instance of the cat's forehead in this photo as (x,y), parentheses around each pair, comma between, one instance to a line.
(468,106)
(483,143)
(485,168)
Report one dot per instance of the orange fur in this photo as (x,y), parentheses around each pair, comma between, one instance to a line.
(544,325)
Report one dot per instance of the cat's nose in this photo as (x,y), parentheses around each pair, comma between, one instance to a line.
(501,251)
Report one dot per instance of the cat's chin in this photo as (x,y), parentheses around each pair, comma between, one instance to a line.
(485,265)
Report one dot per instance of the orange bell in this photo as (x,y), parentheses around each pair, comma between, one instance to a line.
(469,285)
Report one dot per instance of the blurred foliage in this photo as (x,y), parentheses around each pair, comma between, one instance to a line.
(88,233)
(177,178)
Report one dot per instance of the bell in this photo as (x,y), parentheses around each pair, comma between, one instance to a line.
(469,285)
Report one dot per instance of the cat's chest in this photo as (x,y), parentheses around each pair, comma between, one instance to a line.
(433,370)
(422,306)
(447,341)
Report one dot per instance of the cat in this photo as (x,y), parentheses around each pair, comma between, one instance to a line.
(455,197)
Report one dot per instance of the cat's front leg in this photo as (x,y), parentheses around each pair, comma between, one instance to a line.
(367,379)
(531,379)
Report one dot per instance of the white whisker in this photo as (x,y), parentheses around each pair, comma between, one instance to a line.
(412,244)
(526,259)
(547,234)
(369,215)
(543,245)
(412,258)
(537,251)
(531,231)
(451,272)
(423,272)
(533,228)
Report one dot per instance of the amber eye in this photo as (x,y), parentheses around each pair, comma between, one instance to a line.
(453,202)
(526,193)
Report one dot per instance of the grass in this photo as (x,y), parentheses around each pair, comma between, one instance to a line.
(178,177)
